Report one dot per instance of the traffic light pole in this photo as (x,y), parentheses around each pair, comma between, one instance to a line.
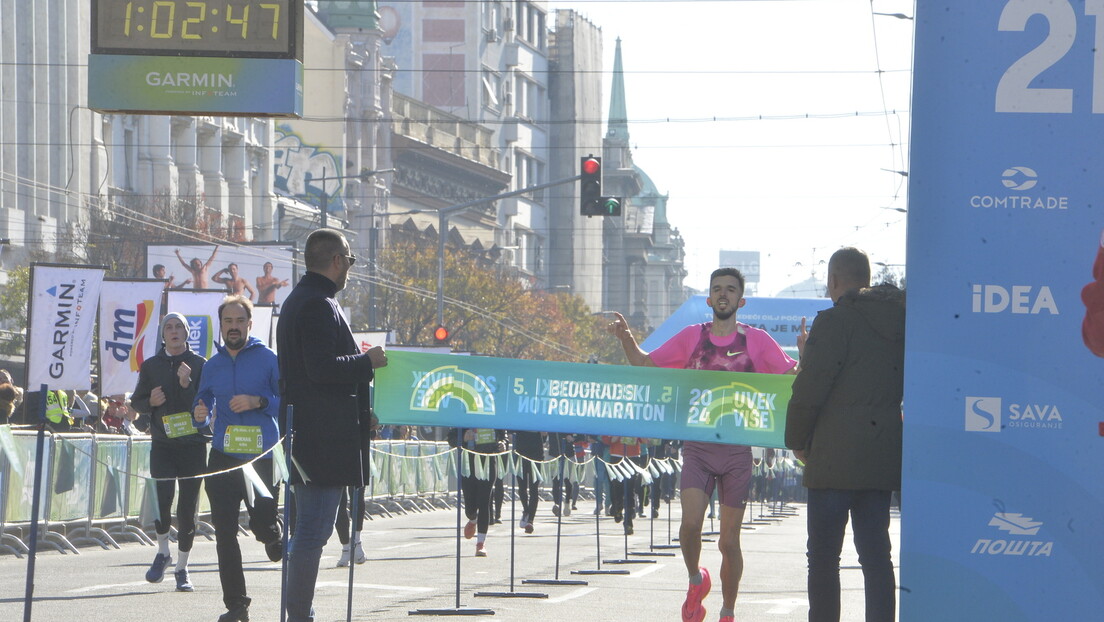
(442,228)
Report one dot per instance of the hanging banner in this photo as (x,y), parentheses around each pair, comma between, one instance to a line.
(61,320)
(262,323)
(650,402)
(201,309)
(1003,447)
(130,318)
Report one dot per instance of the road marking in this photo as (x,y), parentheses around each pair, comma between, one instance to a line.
(781,606)
(583,591)
(374,586)
(647,571)
(399,546)
(106,586)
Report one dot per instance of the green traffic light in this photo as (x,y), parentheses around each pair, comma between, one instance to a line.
(611,206)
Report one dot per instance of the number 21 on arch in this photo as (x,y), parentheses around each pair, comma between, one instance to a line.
(1014,93)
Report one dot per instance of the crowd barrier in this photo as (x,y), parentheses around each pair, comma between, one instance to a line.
(96,488)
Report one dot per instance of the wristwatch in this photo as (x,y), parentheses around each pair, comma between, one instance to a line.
(264,403)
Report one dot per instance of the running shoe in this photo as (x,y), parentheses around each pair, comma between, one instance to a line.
(481,550)
(183,582)
(692,608)
(156,572)
(358,553)
(275,550)
(556,509)
(346,555)
(469,530)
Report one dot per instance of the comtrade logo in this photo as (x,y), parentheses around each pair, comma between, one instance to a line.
(1017,181)
(1019,178)
(983,414)
(1015,534)
(1015,299)
(989,414)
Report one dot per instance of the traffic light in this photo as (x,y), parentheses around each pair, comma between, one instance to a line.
(611,206)
(590,186)
(441,335)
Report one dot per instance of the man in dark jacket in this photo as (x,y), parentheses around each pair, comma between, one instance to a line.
(166,388)
(325,379)
(844,421)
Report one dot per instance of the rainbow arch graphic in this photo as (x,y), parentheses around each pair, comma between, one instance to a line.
(438,386)
(739,401)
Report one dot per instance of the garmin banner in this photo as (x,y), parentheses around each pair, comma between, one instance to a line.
(130,313)
(649,402)
(62,317)
(1003,515)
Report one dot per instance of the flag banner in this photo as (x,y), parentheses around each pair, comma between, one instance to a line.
(262,323)
(366,340)
(649,402)
(1003,367)
(62,318)
(130,318)
(201,310)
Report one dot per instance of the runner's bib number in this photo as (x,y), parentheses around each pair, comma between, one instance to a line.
(485,436)
(178,424)
(243,439)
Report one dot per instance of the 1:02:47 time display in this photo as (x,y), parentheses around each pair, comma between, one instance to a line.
(194,27)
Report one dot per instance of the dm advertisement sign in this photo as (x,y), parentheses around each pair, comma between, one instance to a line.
(649,402)
(130,318)
(1003,515)
(62,316)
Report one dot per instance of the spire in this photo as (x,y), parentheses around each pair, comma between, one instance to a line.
(618,121)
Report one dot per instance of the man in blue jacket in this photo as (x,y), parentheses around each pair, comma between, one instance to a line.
(325,378)
(240,389)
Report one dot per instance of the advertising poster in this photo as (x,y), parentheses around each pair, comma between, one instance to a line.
(264,273)
(1003,500)
(63,305)
(618,400)
(201,310)
(130,318)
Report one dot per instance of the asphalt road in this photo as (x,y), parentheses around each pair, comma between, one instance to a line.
(412,567)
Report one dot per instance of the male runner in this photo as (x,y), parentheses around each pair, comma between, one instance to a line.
(723,345)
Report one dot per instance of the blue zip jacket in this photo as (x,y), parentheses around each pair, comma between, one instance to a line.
(254,371)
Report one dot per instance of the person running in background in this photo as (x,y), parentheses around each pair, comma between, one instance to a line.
(530,446)
(166,390)
(240,385)
(480,442)
(723,344)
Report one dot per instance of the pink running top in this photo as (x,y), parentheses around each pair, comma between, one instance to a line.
(749,349)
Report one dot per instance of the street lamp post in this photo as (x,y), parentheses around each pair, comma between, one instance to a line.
(325,208)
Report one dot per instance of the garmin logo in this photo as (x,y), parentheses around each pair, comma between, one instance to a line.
(1019,299)
(191,80)
(1019,179)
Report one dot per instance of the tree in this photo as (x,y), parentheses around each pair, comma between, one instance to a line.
(13,311)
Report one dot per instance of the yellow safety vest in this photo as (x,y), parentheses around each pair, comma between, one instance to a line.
(57,407)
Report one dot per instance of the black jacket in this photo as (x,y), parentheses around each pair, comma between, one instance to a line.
(845,411)
(325,386)
(160,371)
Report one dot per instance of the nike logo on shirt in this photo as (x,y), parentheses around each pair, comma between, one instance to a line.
(735,353)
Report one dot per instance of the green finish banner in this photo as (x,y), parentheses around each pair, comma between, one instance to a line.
(649,402)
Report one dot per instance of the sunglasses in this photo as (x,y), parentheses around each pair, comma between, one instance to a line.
(351,258)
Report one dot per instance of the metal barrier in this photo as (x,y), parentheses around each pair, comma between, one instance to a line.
(96,487)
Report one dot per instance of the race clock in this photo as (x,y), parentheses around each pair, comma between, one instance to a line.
(220,28)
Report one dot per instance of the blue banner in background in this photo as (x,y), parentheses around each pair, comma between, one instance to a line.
(1003,514)
(781,317)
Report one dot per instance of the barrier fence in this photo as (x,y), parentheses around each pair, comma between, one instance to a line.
(97,490)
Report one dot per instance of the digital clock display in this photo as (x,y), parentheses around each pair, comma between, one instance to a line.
(231,28)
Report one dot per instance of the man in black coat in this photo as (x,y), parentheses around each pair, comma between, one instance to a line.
(325,378)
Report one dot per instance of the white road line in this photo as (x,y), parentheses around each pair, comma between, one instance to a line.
(780,606)
(647,571)
(399,546)
(375,586)
(583,591)
(106,586)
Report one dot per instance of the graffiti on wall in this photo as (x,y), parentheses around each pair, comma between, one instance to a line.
(300,166)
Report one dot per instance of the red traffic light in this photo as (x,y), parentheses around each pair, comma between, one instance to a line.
(591,166)
(441,333)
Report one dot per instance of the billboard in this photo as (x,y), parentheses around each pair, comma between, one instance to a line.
(264,272)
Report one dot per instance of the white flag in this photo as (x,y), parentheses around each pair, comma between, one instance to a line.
(130,318)
(62,317)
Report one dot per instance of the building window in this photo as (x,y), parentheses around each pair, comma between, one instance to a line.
(529,171)
(492,86)
(530,97)
(530,24)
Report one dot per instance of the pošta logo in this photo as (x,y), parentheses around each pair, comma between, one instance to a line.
(1015,525)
